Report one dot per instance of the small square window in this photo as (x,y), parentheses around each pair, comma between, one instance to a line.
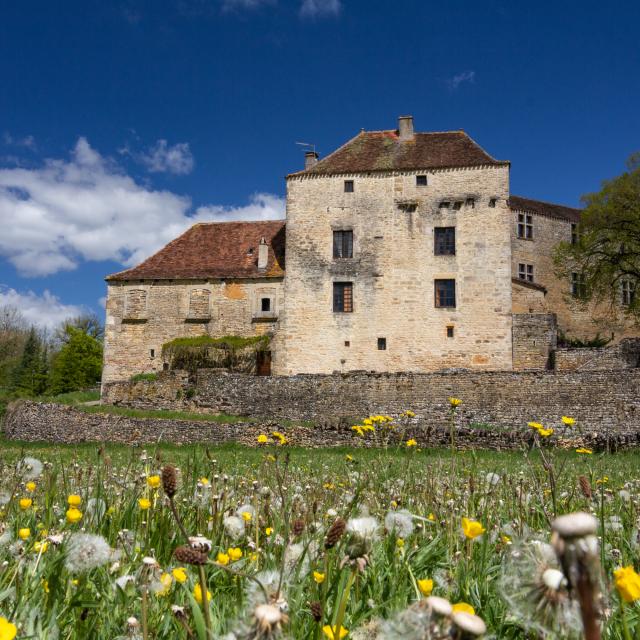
(347,343)
(525,272)
(471,203)
(449,331)
(492,203)
(348,186)
(152,353)
(444,204)
(421,181)
(382,344)
(265,304)
(457,205)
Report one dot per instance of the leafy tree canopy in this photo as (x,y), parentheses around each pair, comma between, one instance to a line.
(606,253)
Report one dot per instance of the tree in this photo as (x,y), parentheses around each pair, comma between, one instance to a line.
(88,323)
(13,335)
(78,364)
(29,377)
(604,257)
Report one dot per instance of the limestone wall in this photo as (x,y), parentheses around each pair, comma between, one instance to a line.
(574,318)
(142,316)
(534,340)
(393,270)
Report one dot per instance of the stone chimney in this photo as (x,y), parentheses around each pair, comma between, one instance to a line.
(310,159)
(405,128)
(263,254)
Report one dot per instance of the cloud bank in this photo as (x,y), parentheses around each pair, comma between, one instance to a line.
(44,310)
(87,209)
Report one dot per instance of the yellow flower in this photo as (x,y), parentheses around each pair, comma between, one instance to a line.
(431,517)
(40,546)
(455,402)
(602,480)
(583,450)
(535,425)
(204,481)
(333,633)
(253,556)
(74,515)
(45,585)
(367,421)
(568,421)
(153,481)
(234,553)
(400,543)
(349,458)
(545,433)
(166,581)
(425,586)
(179,575)
(358,429)
(197,594)
(222,558)
(74,500)
(111,511)
(24,534)
(144,504)
(8,630)
(409,414)
(411,443)
(263,439)
(471,528)
(463,607)
(30,486)
(505,539)
(268,531)
(627,583)
(25,503)
(318,577)
(246,516)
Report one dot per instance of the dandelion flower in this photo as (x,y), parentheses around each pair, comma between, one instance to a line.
(144,504)
(74,500)
(153,481)
(234,527)
(25,503)
(426,586)
(455,402)
(197,594)
(86,551)
(234,553)
(24,533)
(472,528)
(318,577)
(568,421)
(399,522)
(463,607)
(263,439)
(545,433)
(30,487)
(30,468)
(179,575)
(627,583)
(365,527)
(222,558)
(73,515)
(333,633)
(584,450)
(8,630)
(412,443)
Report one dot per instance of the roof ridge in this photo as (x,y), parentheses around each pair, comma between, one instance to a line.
(197,224)
(553,204)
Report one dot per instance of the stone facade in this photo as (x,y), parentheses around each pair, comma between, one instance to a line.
(393,270)
(142,316)
(534,341)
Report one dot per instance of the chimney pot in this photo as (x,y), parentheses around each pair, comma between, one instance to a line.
(263,254)
(310,159)
(405,128)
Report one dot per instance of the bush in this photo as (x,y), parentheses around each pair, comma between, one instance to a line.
(139,377)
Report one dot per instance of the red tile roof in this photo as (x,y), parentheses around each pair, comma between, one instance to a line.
(517,203)
(384,151)
(214,250)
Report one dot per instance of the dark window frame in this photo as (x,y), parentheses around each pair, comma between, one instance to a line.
(349,186)
(444,241)
(578,286)
(262,304)
(342,244)
(525,272)
(343,297)
(525,226)
(444,293)
(574,233)
(450,331)
(422,181)
(382,344)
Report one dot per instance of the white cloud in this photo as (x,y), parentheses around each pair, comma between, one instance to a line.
(232,5)
(164,158)
(28,142)
(458,79)
(320,8)
(85,208)
(44,310)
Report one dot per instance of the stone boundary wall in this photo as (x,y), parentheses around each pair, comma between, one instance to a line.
(39,422)
(624,355)
(601,401)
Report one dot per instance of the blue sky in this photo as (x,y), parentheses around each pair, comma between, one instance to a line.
(122,122)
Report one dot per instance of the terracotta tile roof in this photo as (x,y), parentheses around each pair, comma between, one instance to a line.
(529,285)
(517,203)
(383,151)
(215,250)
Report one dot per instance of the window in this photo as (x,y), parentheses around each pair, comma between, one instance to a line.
(445,293)
(382,344)
(471,203)
(574,233)
(421,181)
(343,297)
(265,304)
(525,272)
(578,287)
(152,353)
(444,204)
(457,205)
(347,343)
(492,203)
(444,241)
(450,331)
(525,226)
(343,244)
(348,186)
(628,292)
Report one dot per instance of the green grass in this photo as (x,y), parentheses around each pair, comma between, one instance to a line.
(140,377)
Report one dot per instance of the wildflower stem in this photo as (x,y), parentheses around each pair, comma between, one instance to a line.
(625,625)
(343,603)
(145,628)
(205,602)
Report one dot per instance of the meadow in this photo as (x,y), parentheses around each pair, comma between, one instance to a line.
(277,541)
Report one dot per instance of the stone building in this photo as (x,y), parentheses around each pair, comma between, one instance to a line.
(405,251)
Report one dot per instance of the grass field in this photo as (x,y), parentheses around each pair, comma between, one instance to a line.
(268,512)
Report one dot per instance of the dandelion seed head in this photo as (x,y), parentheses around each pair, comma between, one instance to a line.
(234,527)
(399,522)
(86,551)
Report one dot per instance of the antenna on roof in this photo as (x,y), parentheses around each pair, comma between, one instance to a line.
(307,144)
